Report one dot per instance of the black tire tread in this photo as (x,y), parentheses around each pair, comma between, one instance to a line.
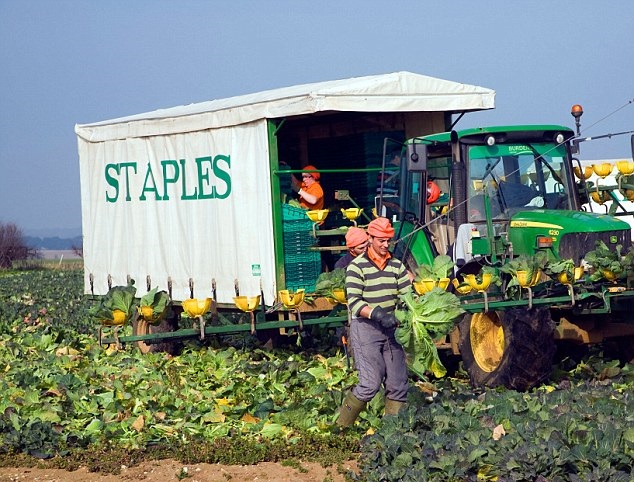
(528,355)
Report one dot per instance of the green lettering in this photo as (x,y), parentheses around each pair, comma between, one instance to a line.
(125,166)
(149,176)
(203,175)
(185,196)
(112,181)
(222,175)
(213,179)
(166,179)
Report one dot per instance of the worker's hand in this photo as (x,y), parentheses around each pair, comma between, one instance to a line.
(295,187)
(386,319)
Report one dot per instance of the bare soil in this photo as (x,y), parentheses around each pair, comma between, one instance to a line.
(170,470)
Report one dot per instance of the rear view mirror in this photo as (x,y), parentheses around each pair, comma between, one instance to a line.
(416,157)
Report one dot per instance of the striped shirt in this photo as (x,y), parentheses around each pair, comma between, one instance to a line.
(367,285)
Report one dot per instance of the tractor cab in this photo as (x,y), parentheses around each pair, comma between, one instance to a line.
(505,191)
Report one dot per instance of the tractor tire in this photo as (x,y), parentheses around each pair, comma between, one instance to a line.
(512,348)
(142,327)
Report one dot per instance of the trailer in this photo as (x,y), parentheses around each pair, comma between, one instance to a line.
(189,200)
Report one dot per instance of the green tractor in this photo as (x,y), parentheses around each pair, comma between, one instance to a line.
(509,194)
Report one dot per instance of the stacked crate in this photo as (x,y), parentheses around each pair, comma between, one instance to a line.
(302,266)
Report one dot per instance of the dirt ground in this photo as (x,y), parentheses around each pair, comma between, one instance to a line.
(170,470)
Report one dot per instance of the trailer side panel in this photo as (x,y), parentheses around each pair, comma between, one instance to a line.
(191,206)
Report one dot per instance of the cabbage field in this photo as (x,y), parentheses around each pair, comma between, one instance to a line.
(65,400)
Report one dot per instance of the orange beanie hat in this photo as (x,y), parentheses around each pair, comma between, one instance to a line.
(381,228)
(315,175)
(355,236)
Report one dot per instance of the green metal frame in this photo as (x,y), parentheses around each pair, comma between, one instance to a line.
(193,333)
(604,298)
(476,303)
(278,248)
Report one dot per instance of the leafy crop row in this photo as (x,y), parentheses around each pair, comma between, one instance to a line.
(576,430)
(61,391)
(63,394)
(52,297)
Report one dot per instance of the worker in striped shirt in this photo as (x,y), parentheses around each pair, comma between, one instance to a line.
(374,281)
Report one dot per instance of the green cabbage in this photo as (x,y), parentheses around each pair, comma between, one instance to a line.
(440,268)
(117,298)
(423,319)
(329,281)
(158,300)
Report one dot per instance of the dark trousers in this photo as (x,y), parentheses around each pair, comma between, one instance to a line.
(379,359)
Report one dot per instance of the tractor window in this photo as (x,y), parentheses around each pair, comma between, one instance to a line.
(413,201)
(517,177)
(438,170)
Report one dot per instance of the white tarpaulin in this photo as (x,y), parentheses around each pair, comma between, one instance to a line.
(184,193)
(182,207)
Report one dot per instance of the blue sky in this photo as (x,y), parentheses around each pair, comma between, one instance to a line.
(65,62)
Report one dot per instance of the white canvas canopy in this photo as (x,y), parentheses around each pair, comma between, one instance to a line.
(395,92)
(183,195)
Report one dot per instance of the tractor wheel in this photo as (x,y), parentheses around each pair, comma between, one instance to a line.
(142,327)
(512,348)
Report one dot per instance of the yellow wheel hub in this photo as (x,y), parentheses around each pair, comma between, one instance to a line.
(487,340)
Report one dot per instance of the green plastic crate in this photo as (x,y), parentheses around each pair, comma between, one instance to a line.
(292,213)
(302,266)
(302,271)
